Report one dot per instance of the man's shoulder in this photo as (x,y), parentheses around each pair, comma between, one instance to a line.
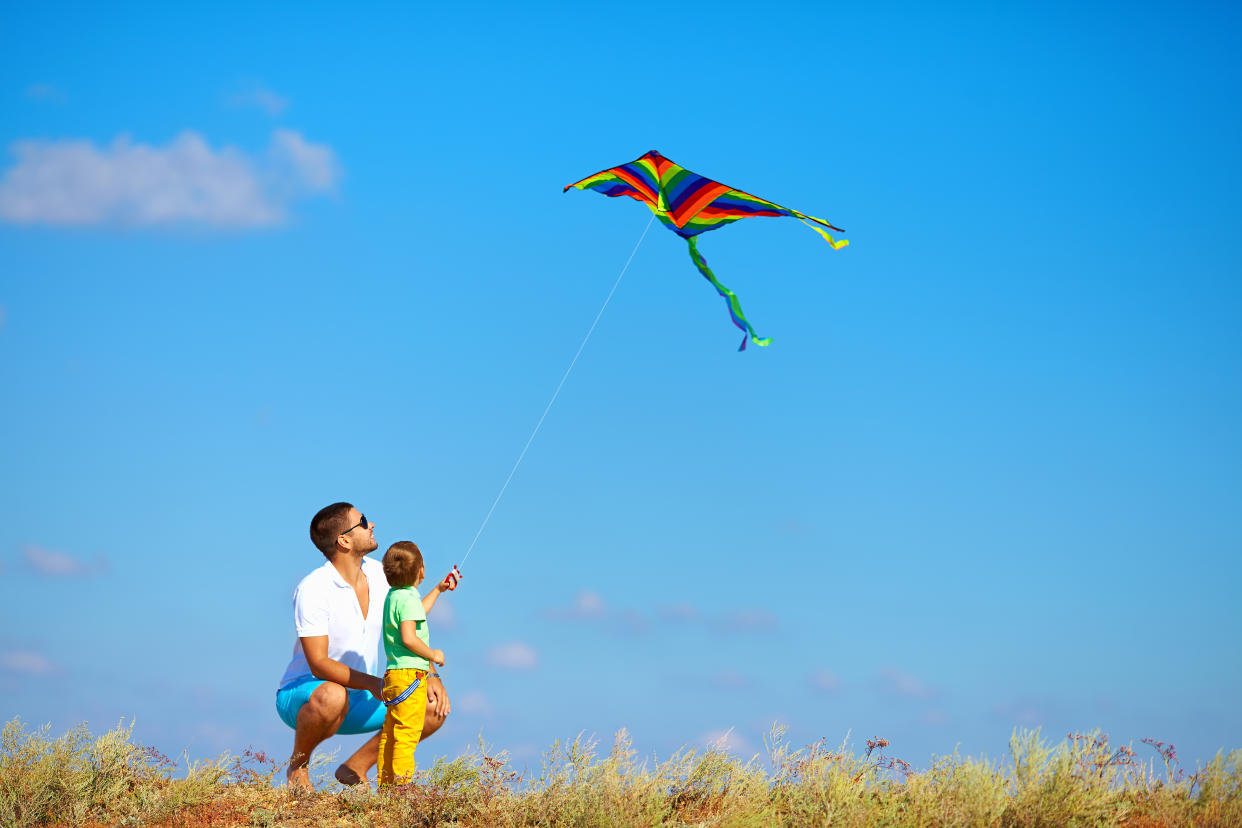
(318,578)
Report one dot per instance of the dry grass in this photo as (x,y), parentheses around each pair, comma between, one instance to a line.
(1082,781)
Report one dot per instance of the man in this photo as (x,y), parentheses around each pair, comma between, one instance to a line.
(332,684)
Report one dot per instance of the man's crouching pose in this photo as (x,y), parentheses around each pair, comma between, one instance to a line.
(332,684)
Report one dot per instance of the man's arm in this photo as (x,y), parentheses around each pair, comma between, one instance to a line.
(329,669)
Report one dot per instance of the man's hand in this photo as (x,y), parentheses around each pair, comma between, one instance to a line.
(377,687)
(437,698)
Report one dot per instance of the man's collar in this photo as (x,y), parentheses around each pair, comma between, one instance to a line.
(335,574)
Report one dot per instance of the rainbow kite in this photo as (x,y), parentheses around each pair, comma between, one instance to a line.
(690,204)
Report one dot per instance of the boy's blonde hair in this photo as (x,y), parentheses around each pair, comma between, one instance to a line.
(402,562)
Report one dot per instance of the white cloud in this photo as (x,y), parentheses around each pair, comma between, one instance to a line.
(56,564)
(747,620)
(823,681)
(45,92)
(512,656)
(474,703)
(313,166)
(217,736)
(679,613)
(904,685)
(1025,713)
(73,182)
(629,621)
(261,98)
(726,740)
(444,614)
(25,661)
(796,528)
(587,605)
(730,680)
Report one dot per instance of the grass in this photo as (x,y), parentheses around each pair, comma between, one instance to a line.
(1082,781)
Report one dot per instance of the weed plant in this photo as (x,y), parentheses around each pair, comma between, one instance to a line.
(1082,781)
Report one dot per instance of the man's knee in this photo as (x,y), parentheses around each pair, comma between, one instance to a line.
(431,722)
(327,705)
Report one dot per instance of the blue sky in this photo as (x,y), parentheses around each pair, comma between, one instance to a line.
(989,473)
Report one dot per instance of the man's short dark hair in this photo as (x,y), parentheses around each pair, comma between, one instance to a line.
(402,562)
(327,525)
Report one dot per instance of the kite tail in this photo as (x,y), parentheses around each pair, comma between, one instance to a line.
(735,306)
(836,245)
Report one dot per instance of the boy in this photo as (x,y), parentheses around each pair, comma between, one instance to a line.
(407,646)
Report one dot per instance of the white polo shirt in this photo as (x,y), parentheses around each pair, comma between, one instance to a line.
(323,604)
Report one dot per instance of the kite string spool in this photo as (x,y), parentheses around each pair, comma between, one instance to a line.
(557,392)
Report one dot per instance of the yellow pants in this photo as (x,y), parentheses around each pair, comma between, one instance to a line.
(403,725)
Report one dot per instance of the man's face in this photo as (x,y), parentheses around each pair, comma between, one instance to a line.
(361,535)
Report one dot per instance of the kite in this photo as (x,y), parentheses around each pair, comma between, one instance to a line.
(689,204)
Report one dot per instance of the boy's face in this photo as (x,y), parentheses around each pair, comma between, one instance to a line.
(422,573)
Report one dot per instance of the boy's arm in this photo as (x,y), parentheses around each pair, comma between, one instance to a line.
(447,585)
(409,637)
(429,600)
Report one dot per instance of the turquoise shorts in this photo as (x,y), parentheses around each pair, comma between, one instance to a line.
(366,713)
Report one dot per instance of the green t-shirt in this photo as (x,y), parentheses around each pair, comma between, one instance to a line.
(404,604)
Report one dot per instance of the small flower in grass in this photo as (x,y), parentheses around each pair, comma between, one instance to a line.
(156,760)
(1169,754)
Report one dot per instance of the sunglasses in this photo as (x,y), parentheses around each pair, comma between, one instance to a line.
(361,523)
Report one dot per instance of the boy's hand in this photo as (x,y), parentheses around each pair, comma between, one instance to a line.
(451,580)
(438,657)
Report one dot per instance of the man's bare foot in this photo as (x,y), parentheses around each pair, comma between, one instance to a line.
(348,776)
(298,779)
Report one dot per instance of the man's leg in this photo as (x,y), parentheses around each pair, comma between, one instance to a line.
(353,771)
(318,719)
(431,723)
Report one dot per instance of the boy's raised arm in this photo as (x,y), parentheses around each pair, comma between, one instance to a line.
(429,600)
(446,585)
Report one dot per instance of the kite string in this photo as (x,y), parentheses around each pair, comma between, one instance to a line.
(557,392)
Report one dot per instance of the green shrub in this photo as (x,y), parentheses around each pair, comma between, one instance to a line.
(1083,781)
